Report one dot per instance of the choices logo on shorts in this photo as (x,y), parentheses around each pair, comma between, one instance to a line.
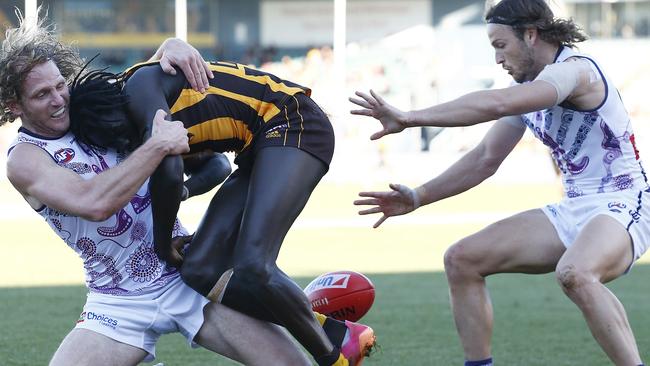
(103,319)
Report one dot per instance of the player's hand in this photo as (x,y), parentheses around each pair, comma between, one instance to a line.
(399,200)
(174,52)
(170,134)
(392,119)
(176,254)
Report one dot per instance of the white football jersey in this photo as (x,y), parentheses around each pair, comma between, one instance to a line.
(594,149)
(118,254)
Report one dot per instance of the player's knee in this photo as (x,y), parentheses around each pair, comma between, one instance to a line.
(571,278)
(457,261)
(198,278)
(254,272)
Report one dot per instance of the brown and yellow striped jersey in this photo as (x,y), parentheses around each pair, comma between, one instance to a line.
(235,109)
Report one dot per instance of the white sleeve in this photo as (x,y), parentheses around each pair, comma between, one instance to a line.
(564,76)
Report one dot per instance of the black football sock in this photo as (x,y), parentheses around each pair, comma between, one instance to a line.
(329,359)
(335,331)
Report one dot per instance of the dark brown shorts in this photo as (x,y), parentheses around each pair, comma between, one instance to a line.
(300,124)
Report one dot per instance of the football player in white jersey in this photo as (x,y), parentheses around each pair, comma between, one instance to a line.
(591,237)
(102,210)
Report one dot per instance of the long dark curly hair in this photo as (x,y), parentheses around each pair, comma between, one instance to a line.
(522,14)
(98,115)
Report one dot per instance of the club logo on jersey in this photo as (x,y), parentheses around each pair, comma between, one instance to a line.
(63,156)
(331,281)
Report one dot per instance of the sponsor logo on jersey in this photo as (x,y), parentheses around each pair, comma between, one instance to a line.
(103,319)
(64,155)
(330,281)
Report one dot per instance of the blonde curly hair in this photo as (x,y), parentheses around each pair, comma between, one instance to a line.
(25,47)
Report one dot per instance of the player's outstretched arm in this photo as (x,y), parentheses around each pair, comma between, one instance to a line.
(469,109)
(399,200)
(175,52)
(392,119)
(468,172)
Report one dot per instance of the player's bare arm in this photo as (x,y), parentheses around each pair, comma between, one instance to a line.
(206,170)
(470,109)
(473,168)
(149,89)
(41,181)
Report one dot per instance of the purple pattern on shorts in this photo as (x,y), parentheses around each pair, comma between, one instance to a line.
(122,224)
(143,264)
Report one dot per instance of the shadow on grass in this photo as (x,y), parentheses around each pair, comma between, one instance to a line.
(535,324)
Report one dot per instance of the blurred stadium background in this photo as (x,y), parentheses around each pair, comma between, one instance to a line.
(413,52)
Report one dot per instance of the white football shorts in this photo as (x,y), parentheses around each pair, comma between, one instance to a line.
(631,209)
(140,320)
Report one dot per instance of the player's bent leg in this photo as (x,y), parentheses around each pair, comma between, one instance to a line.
(83,347)
(526,243)
(282,180)
(602,252)
(247,340)
(209,255)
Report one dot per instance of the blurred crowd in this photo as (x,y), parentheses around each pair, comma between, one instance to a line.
(412,69)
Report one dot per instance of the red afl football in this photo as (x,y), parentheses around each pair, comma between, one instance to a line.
(342,295)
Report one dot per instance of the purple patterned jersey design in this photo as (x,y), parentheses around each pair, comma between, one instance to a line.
(117,253)
(593,149)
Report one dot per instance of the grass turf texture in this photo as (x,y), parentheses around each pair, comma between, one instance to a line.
(534,323)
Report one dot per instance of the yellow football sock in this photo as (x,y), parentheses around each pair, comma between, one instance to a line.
(341,361)
(320,317)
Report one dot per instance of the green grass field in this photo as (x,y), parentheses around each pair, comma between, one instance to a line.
(41,294)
